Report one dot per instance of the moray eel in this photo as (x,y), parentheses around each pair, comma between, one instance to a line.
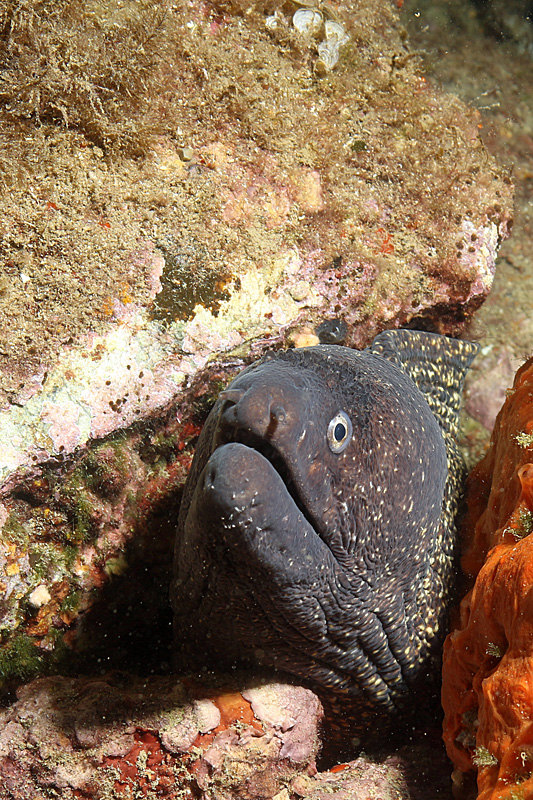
(316,533)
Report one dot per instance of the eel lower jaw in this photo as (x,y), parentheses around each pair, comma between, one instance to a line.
(252,475)
(276,460)
(243,503)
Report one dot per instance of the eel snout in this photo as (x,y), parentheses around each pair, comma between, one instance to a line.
(266,403)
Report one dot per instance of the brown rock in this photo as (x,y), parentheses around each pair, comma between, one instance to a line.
(157,737)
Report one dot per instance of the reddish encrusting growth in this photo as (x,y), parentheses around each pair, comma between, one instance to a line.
(385,246)
(147,768)
(488,660)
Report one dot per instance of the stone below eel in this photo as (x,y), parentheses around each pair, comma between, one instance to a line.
(316,534)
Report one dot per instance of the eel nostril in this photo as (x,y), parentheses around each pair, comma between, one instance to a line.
(210,476)
(251,412)
(229,414)
(229,410)
(232,395)
(277,413)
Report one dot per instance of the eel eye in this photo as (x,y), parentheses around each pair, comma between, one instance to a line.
(339,432)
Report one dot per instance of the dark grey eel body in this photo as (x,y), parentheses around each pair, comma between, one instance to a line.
(316,533)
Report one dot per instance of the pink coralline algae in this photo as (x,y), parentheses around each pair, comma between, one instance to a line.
(121,736)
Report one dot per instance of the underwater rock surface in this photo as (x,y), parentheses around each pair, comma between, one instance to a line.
(488,659)
(386,207)
(230,235)
(121,736)
(236,197)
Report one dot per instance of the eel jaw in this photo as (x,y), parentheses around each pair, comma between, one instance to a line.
(276,460)
(251,499)
(289,603)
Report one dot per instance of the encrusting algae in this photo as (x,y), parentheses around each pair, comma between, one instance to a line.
(488,659)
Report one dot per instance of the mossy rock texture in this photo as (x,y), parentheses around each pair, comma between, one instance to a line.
(182,191)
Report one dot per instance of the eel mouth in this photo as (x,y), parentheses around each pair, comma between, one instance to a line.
(279,464)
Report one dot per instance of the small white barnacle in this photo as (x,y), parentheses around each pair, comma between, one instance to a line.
(307,21)
(339,432)
(328,55)
(274,20)
(328,50)
(271,22)
(335,33)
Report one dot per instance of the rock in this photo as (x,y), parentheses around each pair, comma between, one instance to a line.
(142,281)
(122,736)
(492,375)
(356,780)
(488,659)
(165,737)
(386,207)
(412,773)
